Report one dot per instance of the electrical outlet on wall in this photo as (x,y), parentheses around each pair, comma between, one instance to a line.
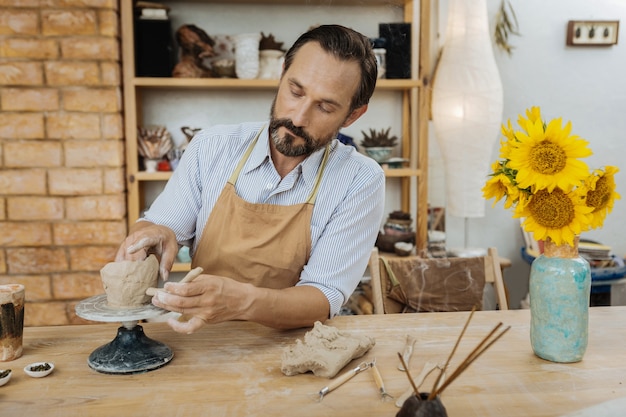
(592,32)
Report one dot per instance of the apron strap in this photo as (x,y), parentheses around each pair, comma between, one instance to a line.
(311,198)
(318,179)
(233,177)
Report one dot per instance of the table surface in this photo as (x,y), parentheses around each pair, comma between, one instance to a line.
(233,369)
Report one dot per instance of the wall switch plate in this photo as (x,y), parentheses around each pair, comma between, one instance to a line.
(592,32)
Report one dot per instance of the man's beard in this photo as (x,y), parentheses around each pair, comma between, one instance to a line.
(285,144)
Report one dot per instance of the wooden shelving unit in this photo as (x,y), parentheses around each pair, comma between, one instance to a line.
(412,92)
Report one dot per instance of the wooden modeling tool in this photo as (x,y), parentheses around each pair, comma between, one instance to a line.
(339,381)
(379,381)
(407,352)
(191,275)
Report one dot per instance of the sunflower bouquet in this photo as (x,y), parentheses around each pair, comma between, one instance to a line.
(541,176)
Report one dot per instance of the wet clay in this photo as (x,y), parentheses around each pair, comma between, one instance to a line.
(126,282)
(325,351)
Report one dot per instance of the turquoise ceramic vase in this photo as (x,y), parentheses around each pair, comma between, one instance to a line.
(560,285)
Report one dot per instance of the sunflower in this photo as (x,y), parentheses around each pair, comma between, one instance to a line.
(541,177)
(547,157)
(556,215)
(600,194)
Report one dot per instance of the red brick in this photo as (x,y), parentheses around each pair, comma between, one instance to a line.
(76,286)
(112,126)
(102,4)
(110,207)
(21,182)
(33,48)
(91,258)
(73,126)
(3,263)
(75,181)
(102,49)
(20,3)
(114,181)
(15,234)
(29,99)
(36,260)
(33,154)
(21,73)
(68,22)
(92,100)
(19,22)
(111,73)
(37,287)
(94,154)
(35,208)
(21,126)
(72,73)
(81,233)
(108,22)
(46,314)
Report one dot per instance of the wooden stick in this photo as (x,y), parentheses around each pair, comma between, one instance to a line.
(191,275)
(408,374)
(431,396)
(471,358)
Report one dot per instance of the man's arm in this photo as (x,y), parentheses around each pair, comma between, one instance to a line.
(213,299)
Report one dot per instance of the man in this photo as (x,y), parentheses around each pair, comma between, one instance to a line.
(280,215)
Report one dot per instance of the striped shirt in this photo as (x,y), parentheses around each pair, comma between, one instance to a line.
(346,216)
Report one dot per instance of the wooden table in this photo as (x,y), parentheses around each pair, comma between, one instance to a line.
(233,369)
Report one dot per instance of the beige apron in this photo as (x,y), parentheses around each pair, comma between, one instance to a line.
(263,244)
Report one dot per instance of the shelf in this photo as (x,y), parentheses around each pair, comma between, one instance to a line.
(397,3)
(153,176)
(402,172)
(235,83)
(165,175)
(181,267)
(412,94)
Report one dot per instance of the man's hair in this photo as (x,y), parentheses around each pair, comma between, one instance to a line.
(347,45)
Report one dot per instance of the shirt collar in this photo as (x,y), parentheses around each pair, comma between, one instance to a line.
(261,154)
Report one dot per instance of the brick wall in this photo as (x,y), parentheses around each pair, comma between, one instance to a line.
(62,195)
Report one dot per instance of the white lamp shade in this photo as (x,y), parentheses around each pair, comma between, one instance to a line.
(467,106)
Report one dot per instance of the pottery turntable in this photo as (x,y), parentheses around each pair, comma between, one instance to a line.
(131,351)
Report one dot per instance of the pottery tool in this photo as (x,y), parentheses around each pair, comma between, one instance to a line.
(379,381)
(418,380)
(339,381)
(191,275)
(407,352)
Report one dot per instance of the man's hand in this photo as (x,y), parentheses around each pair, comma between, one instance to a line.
(208,299)
(146,238)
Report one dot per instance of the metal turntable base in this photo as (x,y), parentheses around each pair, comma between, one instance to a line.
(131,351)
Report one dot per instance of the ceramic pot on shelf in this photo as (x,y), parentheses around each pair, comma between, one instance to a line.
(270,64)
(560,288)
(247,55)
